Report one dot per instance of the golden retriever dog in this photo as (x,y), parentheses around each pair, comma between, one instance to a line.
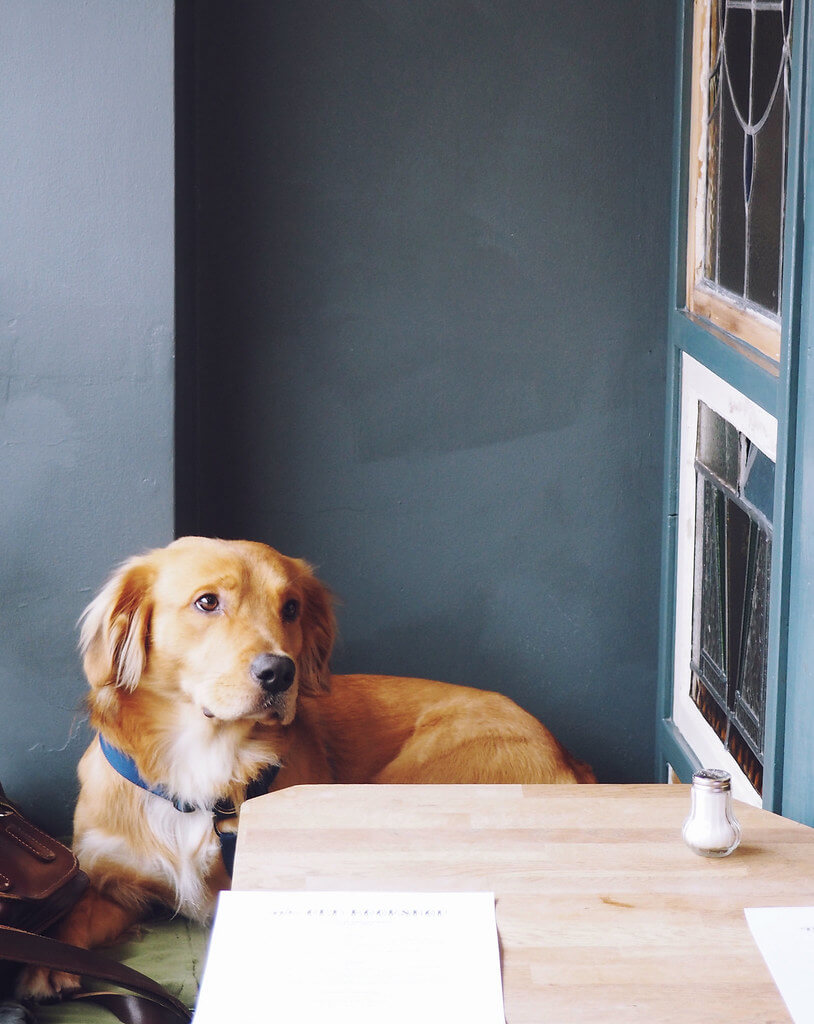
(208,668)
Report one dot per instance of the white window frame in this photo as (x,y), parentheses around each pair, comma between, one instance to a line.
(700,384)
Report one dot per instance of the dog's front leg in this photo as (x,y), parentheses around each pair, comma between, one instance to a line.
(96,920)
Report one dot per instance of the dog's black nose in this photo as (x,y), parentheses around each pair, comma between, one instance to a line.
(274,672)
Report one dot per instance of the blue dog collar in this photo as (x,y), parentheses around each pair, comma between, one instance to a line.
(126,767)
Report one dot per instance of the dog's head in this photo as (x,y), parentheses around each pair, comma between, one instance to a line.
(232,628)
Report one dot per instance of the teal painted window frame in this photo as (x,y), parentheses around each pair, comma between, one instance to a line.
(786,391)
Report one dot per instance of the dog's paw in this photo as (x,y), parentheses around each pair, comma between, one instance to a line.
(42,984)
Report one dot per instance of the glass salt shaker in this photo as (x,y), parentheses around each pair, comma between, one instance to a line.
(711,830)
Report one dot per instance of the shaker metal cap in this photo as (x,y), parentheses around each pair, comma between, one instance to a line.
(712,778)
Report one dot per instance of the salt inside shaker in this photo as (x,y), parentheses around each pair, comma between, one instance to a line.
(711,830)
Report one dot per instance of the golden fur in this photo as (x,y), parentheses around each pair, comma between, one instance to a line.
(170,685)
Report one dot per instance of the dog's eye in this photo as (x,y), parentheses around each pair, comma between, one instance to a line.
(207,603)
(291,609)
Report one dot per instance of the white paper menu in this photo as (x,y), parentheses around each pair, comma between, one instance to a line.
(352,958)
(785,937)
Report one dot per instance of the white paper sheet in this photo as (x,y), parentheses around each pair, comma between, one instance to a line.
(352,958)
(785,937)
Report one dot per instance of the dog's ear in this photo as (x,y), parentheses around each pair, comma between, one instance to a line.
(114,640)
(319,633)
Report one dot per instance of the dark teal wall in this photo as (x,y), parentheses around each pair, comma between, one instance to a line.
(422,264)
(432,246)
(86,350)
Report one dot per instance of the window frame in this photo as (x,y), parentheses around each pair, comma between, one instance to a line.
(785,390)
(752,327)
(701,384)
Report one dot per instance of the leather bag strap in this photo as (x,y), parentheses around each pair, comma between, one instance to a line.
(151,1003)
(130,1008)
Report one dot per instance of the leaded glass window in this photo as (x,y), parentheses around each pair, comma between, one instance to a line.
(733,539)
(739,140)
(724,537)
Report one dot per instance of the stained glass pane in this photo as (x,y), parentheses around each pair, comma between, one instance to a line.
(726,168)
(711,635)
(737,596)
(735,483)
(750,698)
(747,115)
(766,210)
(757,480)
(718,445)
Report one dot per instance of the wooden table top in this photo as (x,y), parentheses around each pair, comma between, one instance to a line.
(603,913)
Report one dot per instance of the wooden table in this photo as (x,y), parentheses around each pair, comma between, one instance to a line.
(603,913)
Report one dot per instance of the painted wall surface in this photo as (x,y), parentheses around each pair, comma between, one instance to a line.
(432,248)
(86,350)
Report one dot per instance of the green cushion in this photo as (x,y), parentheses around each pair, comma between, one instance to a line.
(170,952)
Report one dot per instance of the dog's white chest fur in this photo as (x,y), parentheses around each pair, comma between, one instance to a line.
(180,849)
(177,849)
(193,848)
(202,760)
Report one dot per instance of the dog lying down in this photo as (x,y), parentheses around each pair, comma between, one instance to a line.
(208,667)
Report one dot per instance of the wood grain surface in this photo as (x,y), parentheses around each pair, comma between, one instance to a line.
(603,913)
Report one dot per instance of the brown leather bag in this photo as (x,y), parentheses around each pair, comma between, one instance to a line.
(40,880)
